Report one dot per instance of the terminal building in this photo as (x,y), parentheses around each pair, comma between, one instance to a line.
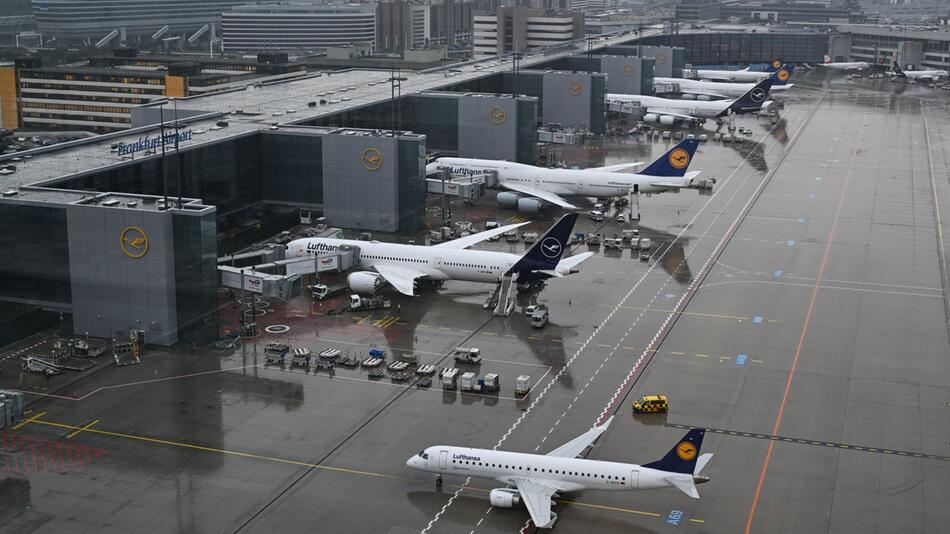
(914,47)
(516,29)
(289,25)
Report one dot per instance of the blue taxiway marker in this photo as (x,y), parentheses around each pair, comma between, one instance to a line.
(741,359)
(757,319)
(777,274)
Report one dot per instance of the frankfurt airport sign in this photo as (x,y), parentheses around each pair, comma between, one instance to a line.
(148,143)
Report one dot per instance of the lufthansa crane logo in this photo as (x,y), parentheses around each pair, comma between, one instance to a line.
(679,158)
(628,70)
(551,247)
(686,451)
(757,94)
(660,58)
(497,115)
(371,159)
(782,75)
(576,88)
(776,63)
(134,242)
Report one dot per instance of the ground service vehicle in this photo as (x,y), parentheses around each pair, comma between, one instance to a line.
(651,404)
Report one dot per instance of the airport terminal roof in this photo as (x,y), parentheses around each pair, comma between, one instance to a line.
(263,106)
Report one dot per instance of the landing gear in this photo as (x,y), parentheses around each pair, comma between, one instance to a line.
(438,481)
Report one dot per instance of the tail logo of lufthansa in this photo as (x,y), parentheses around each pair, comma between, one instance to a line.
(134,242)
(776,64)
(783,75)
(686,451)
(371,159)
(551,247)
(679,158)
(628,70)
(576,88)
(757,94)
(497,115)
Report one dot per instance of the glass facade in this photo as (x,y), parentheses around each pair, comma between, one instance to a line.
(731,48)
(36,248)
(293,173)
(196,276)
(412,185)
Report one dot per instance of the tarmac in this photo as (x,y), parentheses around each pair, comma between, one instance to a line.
(799,313)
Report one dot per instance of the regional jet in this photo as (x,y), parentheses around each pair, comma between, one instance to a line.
(706,90)
(745,75)
(536,479)
(844,65)
(666,110)
(402,266)
(928,75)
(668,172)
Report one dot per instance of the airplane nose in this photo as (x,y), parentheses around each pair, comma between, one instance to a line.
(411,462)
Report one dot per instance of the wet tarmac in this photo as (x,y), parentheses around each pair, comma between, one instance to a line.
(800,313)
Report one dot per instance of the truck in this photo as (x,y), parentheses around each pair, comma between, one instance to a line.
(613,242)
(539,318)
(323,291)
(596,215)
(467,355)
(358,303)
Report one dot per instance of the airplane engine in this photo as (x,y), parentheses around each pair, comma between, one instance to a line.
(688,96)
(650,117)
(365,282)
(704,98)
(666,120)
(504,498)
(508,200)
(529,205)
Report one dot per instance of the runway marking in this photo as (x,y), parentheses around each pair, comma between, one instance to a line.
(697,314)
(87,427)
(943,255)
(33,419)
(823,444)
(804,332)
(823,286)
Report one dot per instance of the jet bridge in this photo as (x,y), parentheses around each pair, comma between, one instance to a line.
(282,278)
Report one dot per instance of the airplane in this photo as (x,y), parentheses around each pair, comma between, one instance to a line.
(742,76)
(929,75)
(403,265)
(666,110)
(537,478)
(668,172)
(844,65)
(705,90)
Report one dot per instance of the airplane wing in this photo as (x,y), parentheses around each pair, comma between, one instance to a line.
(712,94)
(537,498)
(577,445)
(399,277)
(546,196)
(619,167)
(465,242)
(672,114)
(685,181)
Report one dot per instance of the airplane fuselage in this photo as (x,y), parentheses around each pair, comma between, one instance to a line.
(925,74)
(846,65)
(565,474)
(727,89)
(584,182)
(740,76)
(437,263)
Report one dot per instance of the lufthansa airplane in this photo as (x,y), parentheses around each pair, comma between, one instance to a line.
(741,76)
(704,89)
(535,479)
(403,265)
(668,172)
(668,110)
(844,65)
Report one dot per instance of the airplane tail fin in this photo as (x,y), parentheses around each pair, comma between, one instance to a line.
(675,162)
(898,71)
(827,59)
(753,99)
(782,75)
(546,252)
(776,64)
(683,458)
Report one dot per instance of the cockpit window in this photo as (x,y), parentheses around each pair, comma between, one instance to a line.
(423,455)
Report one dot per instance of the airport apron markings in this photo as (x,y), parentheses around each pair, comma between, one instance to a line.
(817,443)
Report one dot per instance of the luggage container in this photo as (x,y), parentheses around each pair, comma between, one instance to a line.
(330,355)
(450,378)
(301,358)
(522,385)
(468,382)
(425,370)
(377,353)
(490,383)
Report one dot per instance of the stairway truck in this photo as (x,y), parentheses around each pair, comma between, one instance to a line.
(467,355)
